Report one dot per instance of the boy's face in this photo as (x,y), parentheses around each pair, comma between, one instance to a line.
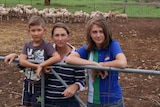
(37,32)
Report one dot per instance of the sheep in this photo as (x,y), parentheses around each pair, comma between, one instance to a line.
(106,15)
(48,17)
(123,17)
(20,5)
(113,14)
(30,12)
(2,5)
(4,12)
(78,16)
(86,16)
(28,6)
(67,16)
(40,12)
(58,16)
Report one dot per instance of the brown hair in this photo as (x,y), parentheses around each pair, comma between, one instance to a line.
(36,20)
(60,25)
(100,21)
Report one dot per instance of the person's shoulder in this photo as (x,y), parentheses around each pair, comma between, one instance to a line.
(46,42)
(28,43)
(114,42)
(84,46)
(72,47)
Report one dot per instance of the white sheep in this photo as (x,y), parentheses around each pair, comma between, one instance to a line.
(78,16)
(58,16)
(48,17)
(67,16)
(4,12)
(96,14)
(123,17)
(2,5)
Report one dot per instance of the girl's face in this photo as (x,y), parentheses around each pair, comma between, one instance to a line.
(60,37)
(37,32)
(97,35)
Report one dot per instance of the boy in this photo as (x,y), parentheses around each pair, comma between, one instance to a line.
(41,51)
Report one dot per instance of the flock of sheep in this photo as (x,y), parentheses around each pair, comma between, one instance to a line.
(53,15)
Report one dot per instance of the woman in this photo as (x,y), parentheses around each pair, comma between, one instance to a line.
(56,93)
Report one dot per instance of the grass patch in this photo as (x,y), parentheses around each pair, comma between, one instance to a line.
(132,8)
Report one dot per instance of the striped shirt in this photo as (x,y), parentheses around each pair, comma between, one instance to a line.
(55,88)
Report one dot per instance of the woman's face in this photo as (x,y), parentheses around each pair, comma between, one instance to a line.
(60,37)
(97,35)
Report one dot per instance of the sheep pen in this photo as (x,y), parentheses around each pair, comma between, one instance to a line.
(138,37)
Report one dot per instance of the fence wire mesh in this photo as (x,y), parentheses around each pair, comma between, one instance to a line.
(140,88)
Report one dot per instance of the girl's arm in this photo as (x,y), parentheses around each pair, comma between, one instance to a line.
(74,58)
(119,62)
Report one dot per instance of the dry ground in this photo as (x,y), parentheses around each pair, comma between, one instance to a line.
(138,37)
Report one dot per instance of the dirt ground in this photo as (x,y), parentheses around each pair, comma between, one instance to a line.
(138,37)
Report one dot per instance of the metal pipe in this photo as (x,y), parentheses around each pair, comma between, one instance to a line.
(126,70)
(63,82)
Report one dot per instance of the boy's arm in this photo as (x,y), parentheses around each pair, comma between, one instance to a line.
(54,59)
(9,58)
(24,62)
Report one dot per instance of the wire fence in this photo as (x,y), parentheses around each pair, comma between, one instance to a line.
(129,89)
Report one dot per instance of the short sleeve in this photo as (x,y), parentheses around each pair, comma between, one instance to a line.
(115,48)
(83,52)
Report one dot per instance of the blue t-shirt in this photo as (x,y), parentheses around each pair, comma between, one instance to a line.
(108,90)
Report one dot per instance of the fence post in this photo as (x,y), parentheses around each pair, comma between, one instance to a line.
(5,4)
(61,80)
(124,6)
(42,90)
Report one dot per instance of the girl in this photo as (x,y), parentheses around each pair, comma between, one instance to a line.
(101,50)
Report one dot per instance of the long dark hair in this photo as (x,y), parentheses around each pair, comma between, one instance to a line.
(99,21)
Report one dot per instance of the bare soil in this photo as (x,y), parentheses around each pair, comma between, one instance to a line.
(138,37)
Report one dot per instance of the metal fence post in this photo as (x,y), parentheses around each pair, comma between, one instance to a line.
(42,90)
(61,80)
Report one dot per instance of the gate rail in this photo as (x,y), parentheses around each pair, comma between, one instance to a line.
(125,70)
